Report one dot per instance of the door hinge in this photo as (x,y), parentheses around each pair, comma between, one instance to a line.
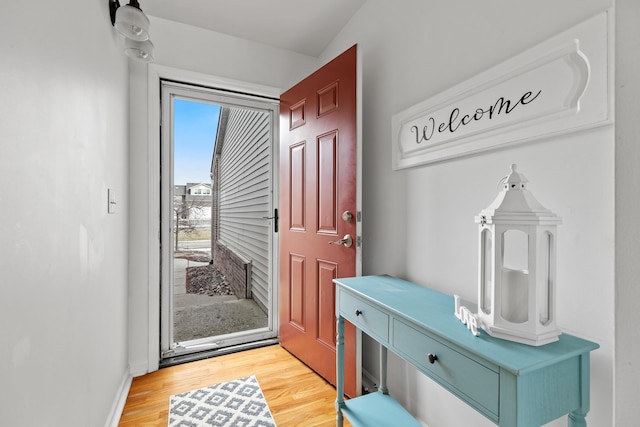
(358,241)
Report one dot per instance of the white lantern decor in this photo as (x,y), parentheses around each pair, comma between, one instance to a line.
(517,268)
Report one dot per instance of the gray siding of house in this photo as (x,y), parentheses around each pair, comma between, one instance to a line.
(244,194)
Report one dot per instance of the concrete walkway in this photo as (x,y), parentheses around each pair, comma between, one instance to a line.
(180,274)
(201,316)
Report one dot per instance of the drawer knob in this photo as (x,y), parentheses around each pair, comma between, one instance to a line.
(432,358)
(358,312)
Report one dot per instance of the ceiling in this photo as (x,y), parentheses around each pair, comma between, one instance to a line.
(303,26)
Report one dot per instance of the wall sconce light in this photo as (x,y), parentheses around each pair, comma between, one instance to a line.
(132,23)
(142,51)
(517,271)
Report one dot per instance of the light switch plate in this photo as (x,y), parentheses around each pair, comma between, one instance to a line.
(111,201)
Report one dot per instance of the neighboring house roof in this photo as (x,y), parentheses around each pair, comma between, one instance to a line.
(191,185)
(188,191)
(195,193)
(199,191)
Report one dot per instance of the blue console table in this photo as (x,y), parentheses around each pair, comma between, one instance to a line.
(513,385)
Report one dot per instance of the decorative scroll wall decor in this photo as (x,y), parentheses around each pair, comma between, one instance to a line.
(559,86)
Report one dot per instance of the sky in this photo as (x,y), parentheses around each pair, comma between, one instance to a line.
(195,128)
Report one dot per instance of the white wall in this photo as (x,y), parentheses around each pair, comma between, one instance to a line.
(419,223)
(627,211)
(63,260)
(203,52)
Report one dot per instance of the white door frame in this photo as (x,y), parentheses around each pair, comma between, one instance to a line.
(155,74)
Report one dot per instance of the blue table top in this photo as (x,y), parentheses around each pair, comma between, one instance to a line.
(434,311)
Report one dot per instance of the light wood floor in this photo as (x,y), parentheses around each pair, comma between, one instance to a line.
(296,395)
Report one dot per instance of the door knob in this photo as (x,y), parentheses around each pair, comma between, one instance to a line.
(347,241)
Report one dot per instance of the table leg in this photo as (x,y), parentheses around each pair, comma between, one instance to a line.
(577,419)
(383,370)
(339,371)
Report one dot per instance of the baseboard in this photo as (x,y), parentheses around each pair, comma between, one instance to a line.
(118,404)
(369,382)
(139,368)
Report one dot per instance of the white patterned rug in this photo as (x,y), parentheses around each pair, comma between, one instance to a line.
(237,403)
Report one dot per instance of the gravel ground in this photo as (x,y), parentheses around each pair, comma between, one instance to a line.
(206,280)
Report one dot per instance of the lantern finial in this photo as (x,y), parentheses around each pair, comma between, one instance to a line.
(515,180)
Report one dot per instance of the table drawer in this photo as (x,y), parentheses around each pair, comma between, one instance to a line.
(364,316)
(477,384)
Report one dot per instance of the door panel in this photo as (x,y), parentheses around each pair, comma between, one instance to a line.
(327,179)
(296,183)
(327,271)
(297,291)
(318,161)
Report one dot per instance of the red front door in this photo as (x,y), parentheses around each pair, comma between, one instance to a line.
(318,150)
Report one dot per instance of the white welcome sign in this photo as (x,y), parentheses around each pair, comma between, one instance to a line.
(558,86)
